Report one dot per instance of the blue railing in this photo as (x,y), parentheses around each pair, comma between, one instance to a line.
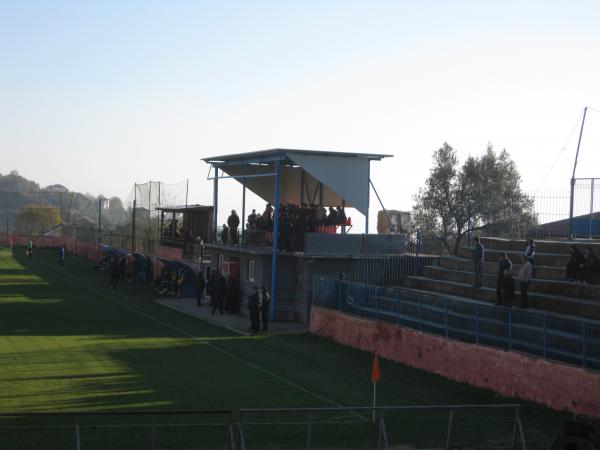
(575,341)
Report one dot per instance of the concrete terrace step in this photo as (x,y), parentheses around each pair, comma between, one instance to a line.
(559,304)
(538,285)
(558,247)
(466,265)
(541,259)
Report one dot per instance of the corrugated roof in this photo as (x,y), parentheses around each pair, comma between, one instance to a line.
(265,154)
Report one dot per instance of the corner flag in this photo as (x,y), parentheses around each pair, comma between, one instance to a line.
(375,370)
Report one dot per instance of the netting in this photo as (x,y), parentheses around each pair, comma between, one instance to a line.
(142,226)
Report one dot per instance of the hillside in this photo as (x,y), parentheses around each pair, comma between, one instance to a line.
(24,203)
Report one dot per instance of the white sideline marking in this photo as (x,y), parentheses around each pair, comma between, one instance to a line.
(186,334)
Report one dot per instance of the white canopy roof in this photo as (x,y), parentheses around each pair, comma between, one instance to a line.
(307,176)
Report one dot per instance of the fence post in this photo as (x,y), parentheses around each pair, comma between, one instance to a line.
(420,315)
(418,252)
(545,336)
(509,328)
(397,307)
(446,316)
(476,323)
(77,439)
(583,343)
(449,433)
(376,303)
(309,431)
(154,433)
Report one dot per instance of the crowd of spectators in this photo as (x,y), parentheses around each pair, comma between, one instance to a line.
(294,221)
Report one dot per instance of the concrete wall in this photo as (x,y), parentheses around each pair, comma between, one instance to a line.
(559,386)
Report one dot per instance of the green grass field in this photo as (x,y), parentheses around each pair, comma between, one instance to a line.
(69,343)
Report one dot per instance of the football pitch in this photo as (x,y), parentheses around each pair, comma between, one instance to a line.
(68,343)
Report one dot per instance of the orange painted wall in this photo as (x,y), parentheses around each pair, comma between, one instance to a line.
(559,386)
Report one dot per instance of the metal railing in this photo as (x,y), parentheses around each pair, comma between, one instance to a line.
(321,427)
(575,341)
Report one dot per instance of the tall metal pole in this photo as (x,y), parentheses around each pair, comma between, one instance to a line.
(133,217)
(368,200)
(99,223)
(275,242)
(187,187)
(591,208)
(243,211)
(215,201)
(571,222)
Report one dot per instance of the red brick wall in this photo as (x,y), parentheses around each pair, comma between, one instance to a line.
(559,386)
(170,252)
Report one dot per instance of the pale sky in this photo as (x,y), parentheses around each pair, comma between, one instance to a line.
(99,95)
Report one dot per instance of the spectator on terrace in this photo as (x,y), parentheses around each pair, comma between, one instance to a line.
(591,265)
(575,264)
(478,257)
(342,219)
(233,221)
(504,266)
(332,218)
(219,291)
(252,219)
(525,274)
(530,251)
(224,234)
(265,301)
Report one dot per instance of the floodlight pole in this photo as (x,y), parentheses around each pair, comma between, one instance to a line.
(368,199)
(243,211)
(215,201)
(99,223)
(133,217)
(571,221)
(275,242)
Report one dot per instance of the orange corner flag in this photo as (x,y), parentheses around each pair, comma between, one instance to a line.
(375,371)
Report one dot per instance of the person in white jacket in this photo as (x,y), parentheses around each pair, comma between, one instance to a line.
(525,274)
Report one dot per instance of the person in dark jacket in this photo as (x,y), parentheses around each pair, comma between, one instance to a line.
(219,290)
(591,265)
(253,304)
(575,264)
(265,302)
(200,285)
(233,222)
(478,257)
(504,266)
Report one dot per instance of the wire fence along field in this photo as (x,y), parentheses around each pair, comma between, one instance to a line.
(576,341)
(441,426)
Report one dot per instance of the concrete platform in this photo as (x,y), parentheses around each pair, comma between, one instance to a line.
(235,323)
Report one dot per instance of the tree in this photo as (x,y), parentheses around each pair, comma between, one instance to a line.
(36,219)
(485,189)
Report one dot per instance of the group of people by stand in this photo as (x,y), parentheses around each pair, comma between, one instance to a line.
(224,296)
(223,292)
(505,283)
(582,267)
(294,221)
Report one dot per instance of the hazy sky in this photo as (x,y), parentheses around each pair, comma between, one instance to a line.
(99,95)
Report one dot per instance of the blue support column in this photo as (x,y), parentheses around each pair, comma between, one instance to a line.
(215,202)
(275,242)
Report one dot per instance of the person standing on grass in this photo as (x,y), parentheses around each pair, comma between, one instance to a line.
(30,248)
(525,274)
(253,303)
(114,272)
(219,290)
(61,256)
(478,257)
(265,302)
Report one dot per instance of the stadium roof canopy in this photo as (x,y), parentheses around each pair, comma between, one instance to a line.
(305,176)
